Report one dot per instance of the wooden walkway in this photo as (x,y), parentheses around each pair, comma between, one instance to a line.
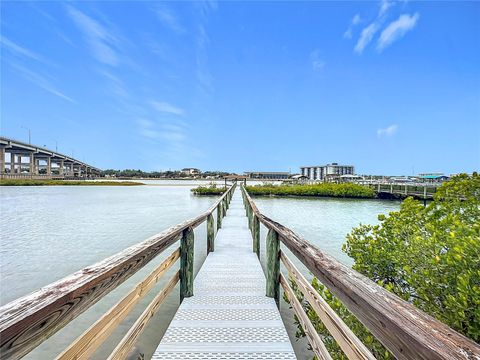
(229,316)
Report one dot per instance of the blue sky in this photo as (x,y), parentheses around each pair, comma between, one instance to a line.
(392,87)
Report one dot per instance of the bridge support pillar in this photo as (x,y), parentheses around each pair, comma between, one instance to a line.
(2,160)
(60,169)
(32,163)
(49,165)
(12,163)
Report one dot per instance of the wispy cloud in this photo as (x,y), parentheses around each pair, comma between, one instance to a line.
(116,84)
(41,82)
(171,136)
(366,37)
(100,39)
(20,50)
(397,29)
(384,6)
(317,62)
(355,21)
(388,131)
(166,16)
(165,107)
(392,32)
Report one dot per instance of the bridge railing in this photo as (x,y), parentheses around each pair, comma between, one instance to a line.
(407,332)
(28,321)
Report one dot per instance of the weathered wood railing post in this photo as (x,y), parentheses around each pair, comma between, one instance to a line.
(273,265)
(210,234)
(256,235)
(219,216)
(186,263)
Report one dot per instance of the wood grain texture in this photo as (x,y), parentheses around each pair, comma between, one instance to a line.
(345,338)
(186,263)
(273,265)
(406,331)
(31,319)
(87,343)
(126,344)
(256,236)
(314,339)
(210,234)
(219,217)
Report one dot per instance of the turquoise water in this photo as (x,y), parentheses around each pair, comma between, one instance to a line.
(50,232)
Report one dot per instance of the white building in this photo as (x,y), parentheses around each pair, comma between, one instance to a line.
(324,172)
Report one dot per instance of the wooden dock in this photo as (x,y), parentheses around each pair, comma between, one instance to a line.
(229,316)
(230,310)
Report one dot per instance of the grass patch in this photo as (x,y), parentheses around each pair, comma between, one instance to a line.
(315,190)
(208,190)
(33,182)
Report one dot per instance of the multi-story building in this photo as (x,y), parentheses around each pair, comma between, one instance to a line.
(324,172)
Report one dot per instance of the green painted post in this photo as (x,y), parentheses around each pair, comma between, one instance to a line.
(219,216)
(210,234)
(256,236)
(224,208)
(186,264)
(273,265)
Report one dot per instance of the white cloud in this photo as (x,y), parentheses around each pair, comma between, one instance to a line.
(365,37)
(355,21)
(169,20)
(317,62)
(41,82)
(165,107)
(100,40)
(397,29)
(388,131)
(19,50)
(384,6)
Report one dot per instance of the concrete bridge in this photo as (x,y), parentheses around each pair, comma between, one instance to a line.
(230,310)
(19,160)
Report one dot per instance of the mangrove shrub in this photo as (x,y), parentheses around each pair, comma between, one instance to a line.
(320,189)
(429,256)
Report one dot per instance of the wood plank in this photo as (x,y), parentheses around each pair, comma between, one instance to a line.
(87,343)
(31,319)
(126,344)
(314,339)
(256,236)
(210,234)
(229,317)
(219,216)
(345,338)
(273,265)
(186,264)
(406,331)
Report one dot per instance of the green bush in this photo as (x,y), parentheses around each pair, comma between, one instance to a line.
(346,190)
(429,256)
(209,190)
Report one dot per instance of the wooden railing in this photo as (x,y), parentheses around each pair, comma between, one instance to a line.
(422,191)
(30,320)
(407,332)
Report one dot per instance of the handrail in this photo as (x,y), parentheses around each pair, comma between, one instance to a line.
(28,321)
(406,331)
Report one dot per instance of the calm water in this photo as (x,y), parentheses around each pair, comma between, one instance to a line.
(47,233)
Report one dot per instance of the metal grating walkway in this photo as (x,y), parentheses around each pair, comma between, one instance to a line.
(229,316)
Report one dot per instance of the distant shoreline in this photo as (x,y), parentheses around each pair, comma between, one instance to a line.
(31,182)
